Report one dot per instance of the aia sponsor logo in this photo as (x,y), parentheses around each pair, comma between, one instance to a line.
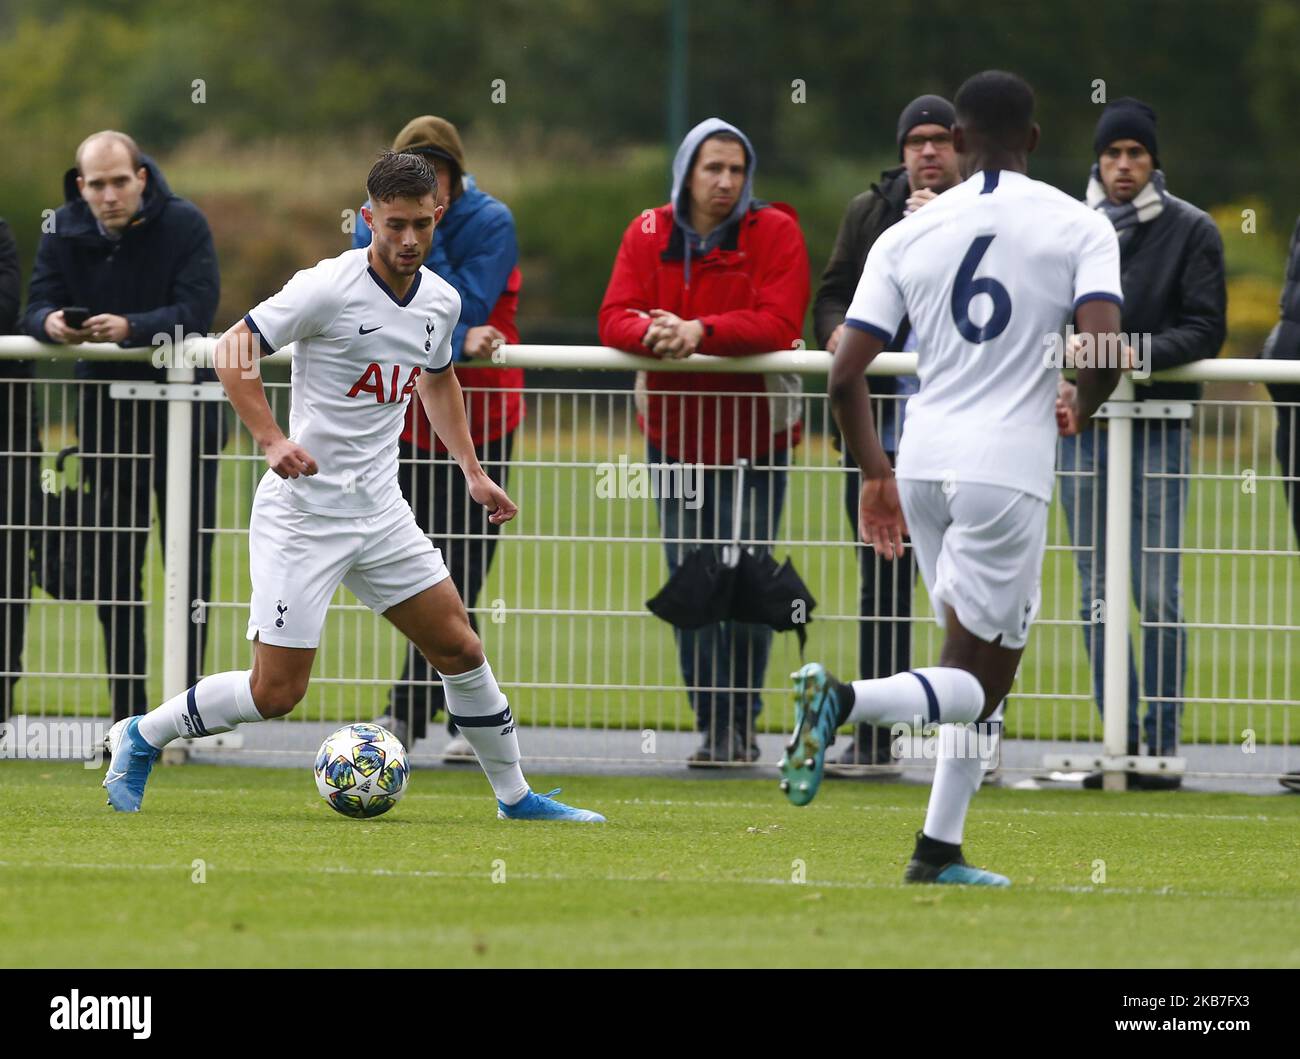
(387,388)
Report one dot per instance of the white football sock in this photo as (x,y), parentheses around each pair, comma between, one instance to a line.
(475,702)
(917,697)
(958,772)
(215,704)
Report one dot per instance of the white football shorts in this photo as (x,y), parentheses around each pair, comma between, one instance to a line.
(297,559)
(980,550)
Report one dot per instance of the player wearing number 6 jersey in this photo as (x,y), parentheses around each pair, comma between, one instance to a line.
(989,274)
(370,328)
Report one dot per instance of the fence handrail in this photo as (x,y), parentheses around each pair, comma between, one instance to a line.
(198,353)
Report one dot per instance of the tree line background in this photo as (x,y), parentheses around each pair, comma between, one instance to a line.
(269,115)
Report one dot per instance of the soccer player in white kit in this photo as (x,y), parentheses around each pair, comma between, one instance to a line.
(989,274)
(371,327)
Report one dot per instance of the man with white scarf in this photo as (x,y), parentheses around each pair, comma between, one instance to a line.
(1175,308)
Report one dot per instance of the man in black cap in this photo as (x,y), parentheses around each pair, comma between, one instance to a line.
(1175,299)
(929,167)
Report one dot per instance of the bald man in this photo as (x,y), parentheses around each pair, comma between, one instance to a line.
(140,261)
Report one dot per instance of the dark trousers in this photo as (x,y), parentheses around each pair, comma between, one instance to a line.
(724,664)
(460,529)
(19,507)
(885,606)
(124,458)
(1161,458)
(1288,444)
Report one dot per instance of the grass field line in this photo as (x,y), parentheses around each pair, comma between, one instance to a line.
(768,806)
(810,885)
(978,808)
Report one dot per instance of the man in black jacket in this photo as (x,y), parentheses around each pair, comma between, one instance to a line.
(18,479)
(141,261)
(929,167)
(1175,299)
(1284,344)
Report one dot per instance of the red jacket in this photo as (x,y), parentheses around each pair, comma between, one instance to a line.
(494,404)
(751,294)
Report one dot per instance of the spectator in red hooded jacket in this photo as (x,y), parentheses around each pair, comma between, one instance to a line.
(474,249)
(720,273)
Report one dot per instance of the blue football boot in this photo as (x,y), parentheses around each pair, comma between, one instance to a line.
(956,873)
(543,807)
(816,716)
(130,760)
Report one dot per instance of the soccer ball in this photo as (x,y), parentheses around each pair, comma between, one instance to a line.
(361,770)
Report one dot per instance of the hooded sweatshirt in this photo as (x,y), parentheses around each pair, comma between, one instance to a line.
(160,274)
(747,283)
(695,244)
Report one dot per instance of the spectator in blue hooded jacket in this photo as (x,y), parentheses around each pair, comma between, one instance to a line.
(141,261)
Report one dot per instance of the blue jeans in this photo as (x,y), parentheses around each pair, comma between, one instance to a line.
(1160,447)
(729,654)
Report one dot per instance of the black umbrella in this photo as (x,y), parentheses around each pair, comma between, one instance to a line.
(704,590)
(738,585)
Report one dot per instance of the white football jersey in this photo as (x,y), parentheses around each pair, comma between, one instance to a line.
(358,352)
(989,273)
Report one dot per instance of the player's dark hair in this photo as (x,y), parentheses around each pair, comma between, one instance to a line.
(998,106)
(400,176)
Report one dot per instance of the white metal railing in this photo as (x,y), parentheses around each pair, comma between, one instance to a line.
(595,425)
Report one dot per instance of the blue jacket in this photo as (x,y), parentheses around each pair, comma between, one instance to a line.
(474,249)
(161,273)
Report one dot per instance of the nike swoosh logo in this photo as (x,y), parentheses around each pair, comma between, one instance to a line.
(110,777)
(367,330)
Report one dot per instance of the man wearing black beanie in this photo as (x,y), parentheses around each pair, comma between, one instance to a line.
(1175,308)
(929,167)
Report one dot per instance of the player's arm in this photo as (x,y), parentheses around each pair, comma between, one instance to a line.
(880,517)
(237,367)
(440,393)
(1098,295)
(1076,404)
(851,399)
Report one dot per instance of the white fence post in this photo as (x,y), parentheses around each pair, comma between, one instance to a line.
(1119,523)
(176,543)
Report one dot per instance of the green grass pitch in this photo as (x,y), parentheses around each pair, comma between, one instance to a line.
(687,873)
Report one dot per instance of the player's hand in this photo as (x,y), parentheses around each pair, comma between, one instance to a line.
(289,460)
(491,496)
(106,327)
(880,517)
(59,331)
(481,342)
(833,343)
(1068,422)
